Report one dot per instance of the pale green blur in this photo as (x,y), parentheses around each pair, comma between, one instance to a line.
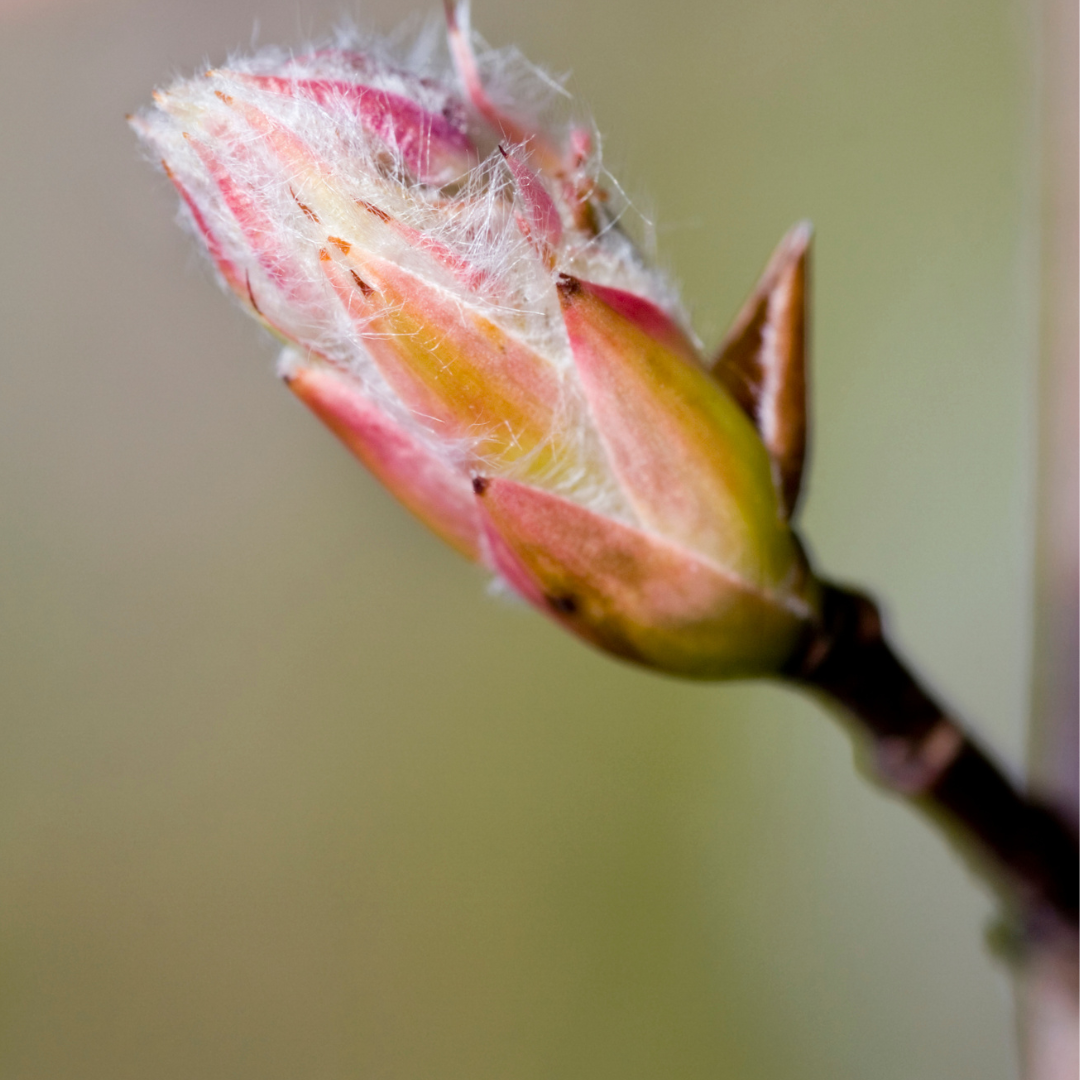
(285,794)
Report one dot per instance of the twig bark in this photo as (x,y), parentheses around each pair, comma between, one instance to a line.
(1028,852)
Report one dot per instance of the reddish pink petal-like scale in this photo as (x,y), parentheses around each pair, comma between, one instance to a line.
(440,496)
(258,227)
(647,317)
(542,224)
(687,457)
(366,309)
(460,373)
(298,158)
(433,148)
(237,280)
(630,592)
(225,265)
(509,129)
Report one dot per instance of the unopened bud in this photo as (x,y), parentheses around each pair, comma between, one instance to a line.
(462,309)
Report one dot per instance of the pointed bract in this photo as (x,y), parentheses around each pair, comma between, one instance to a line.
(762,362)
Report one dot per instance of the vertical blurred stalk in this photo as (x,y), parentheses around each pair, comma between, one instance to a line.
(1048,983)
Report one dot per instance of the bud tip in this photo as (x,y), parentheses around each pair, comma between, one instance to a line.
(568,286)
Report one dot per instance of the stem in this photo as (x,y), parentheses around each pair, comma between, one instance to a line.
(918,752)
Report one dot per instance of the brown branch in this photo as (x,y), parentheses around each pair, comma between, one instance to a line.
(1027,851)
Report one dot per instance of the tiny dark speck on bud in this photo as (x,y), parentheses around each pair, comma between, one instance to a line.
(382,215)
(480,484)
(564,604)
(361,284)
(568,285)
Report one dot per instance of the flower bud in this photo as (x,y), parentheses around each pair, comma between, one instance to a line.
(462,308)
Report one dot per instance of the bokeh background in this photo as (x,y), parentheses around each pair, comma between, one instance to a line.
(285,793)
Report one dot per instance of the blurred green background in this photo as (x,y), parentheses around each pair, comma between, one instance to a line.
(284,793)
